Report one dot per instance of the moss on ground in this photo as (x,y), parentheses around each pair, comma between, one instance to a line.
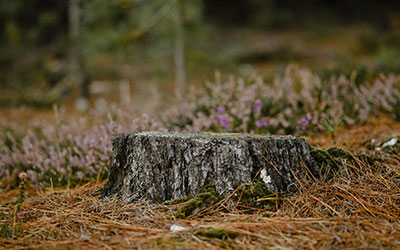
(214,233)
(170,242)
(257,194)
(331,157)
(335,159)
(206,197)
(331,160)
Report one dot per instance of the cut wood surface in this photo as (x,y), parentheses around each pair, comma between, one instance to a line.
(160,166)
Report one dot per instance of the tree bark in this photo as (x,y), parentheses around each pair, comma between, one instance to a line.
(179,50)
(78,78)
(74,52)
(160,166)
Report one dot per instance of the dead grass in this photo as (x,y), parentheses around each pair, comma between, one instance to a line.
(358,209)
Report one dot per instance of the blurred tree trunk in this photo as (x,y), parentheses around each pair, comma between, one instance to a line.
(179,53)
(77,77)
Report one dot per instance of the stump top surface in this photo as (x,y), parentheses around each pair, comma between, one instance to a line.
(208,135)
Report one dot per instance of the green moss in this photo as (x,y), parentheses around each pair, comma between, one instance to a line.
(256,194)
(205,198)
(223,245)
(331,160)
(213,233)
(168,242)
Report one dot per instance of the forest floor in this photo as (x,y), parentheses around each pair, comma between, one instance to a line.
(358,209)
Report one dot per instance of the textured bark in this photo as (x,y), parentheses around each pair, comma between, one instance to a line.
(160,166)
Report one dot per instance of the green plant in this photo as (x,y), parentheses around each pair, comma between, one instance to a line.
(5,231)
(330,125)
(16,226)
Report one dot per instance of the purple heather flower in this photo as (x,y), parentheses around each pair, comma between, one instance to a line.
(257,108)
(221,109)
(79,174)
(262,123)
(257,104)
(223,120)
(304,122)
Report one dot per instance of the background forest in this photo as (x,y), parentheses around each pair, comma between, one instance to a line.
(135,40)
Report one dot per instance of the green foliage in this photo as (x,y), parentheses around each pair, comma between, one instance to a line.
(348,67)
(112,33)
(5,232)
(13,225)
(6,229)
(330,125)
(388,59)
(140,33)
(21,196)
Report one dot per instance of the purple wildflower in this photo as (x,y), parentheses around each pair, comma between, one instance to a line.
(262,123)
(223,121)
(257,107)
(221,109)
(304,122)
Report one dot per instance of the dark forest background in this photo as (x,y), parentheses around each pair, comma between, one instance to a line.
(134,40)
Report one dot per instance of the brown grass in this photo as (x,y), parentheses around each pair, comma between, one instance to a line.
(358,209)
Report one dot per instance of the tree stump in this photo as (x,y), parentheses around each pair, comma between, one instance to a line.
(160,166)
